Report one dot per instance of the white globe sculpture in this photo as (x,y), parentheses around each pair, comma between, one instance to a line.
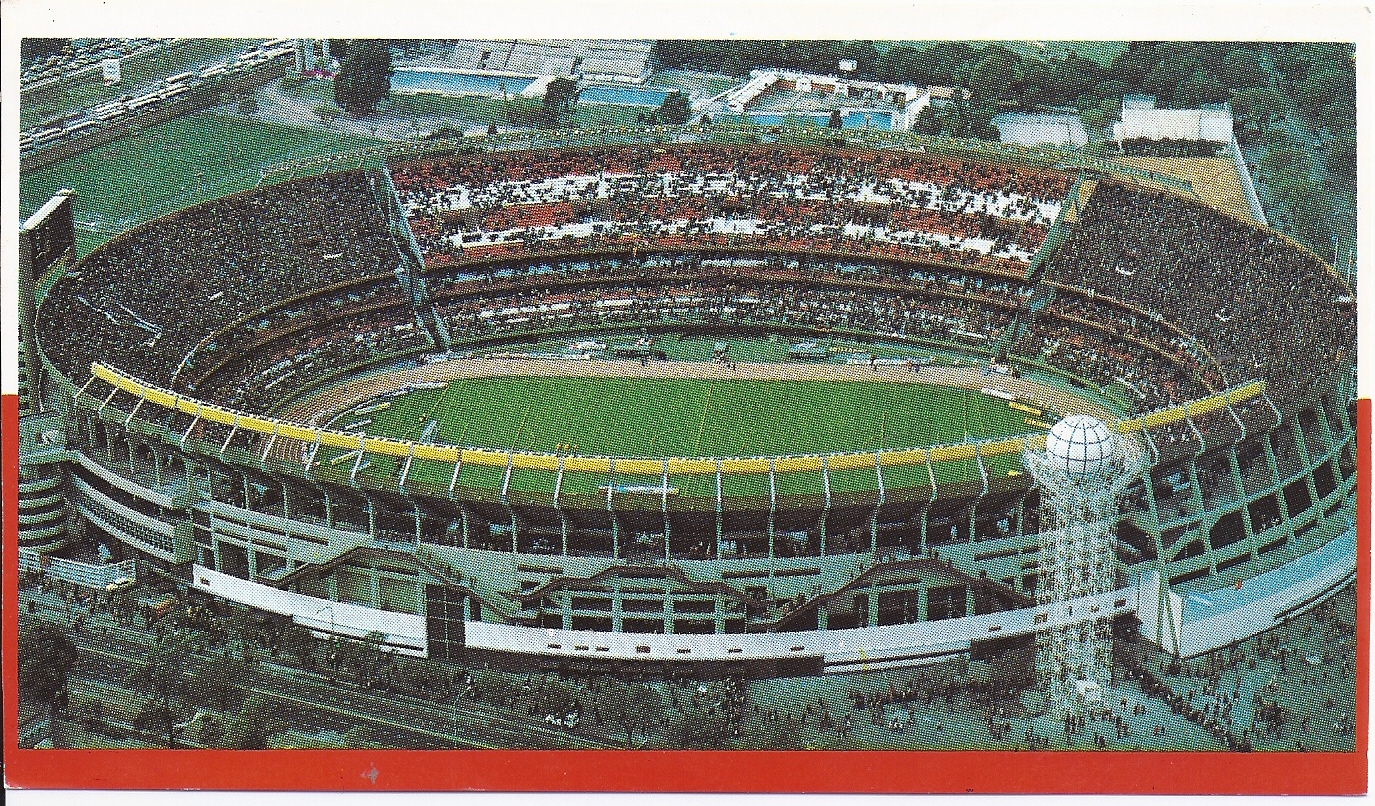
(1081,446)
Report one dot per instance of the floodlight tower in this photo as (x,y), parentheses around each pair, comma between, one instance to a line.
(1082,474)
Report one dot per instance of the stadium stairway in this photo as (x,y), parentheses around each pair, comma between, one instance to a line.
(1042,295)
(491,598)
(803,616)
(410,271)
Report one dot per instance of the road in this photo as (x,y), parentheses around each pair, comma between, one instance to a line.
(110,653)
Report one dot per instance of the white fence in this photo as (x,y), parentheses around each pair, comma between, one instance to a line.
(1252,200)
(403,632)
(87,575)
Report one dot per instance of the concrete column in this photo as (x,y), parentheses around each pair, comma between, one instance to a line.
(922,602)
(1324,428)
(720,615)
(372,518)
(332,586)
(329,508)
(1303,452)
(1153,509)
(873,606)
(1235,466)
(969,600)
(668,615)
(821,616)
(375,589)
(1273,463)
(568,613)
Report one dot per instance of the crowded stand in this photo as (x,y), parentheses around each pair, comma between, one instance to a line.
(317,351)
(296,280)
(1260,305)
(462,208)
(181,279)
(686,289)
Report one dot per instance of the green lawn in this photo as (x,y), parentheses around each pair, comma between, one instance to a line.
(687,417)
(170,166)
(80,92)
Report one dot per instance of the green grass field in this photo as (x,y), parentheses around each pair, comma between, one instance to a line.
(689,417)
(170,166)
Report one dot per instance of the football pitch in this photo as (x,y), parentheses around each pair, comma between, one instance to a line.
(663,417)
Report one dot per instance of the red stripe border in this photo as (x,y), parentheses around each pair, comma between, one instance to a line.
(691,771)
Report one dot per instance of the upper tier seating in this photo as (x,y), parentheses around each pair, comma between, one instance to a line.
(1259,306)
(145,300)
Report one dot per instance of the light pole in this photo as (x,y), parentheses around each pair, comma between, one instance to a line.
(330,608)
(332,637)
(457,693)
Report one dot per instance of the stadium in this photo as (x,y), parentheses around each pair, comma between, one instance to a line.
(694,397)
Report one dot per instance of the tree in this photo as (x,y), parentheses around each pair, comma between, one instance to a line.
(707,729)
(1341,155)
(1241,69)
(992,78)
(1320,88)
(220,682)
(835,122)
(1259,106)
(1201,87)
(299,644)
(558,98)
(33,48)
(927,123)
(900,64)
(1165,76)
(46,657)
(253,725)
(162,677)
(364,78)
(863,52)
(674,110)
(1136,62)
(631,706)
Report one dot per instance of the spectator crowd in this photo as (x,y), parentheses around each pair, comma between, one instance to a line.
(146,300)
